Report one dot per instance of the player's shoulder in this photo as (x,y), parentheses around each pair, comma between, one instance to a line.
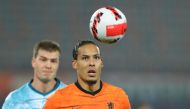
(18,93)
(65,90)
(117,93)
(62,93)
(113,89)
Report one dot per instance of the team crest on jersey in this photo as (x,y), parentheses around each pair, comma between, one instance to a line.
(110,105)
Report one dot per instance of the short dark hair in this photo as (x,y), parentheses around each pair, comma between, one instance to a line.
(47,45)
(80,44)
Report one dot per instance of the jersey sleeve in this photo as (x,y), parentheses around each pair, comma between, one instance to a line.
(124,99)
(12,102)
(9,103)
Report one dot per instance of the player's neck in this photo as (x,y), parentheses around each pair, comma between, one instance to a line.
(42,86)
(90,87)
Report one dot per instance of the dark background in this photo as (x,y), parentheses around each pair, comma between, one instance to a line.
(151,62)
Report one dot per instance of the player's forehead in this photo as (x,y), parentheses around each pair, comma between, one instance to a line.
(89,49)
(48,54)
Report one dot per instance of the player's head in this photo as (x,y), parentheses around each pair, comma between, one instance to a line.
(47,45)
(78,45)
(87,62)
(45,61)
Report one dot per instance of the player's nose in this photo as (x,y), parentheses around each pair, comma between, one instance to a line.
(48,64)
(91,62)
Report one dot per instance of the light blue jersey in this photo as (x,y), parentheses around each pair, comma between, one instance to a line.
(26,97)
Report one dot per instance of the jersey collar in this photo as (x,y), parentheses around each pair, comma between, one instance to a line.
(44,94)
(88,92)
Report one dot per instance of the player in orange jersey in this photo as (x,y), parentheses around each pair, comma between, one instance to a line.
(88,92)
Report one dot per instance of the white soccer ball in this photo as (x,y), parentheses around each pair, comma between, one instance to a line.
(108,25)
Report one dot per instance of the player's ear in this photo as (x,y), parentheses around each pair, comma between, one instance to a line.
(74,64)
(33,62)
(102,64)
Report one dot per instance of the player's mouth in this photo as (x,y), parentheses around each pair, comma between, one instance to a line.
(92,73)
(47,71)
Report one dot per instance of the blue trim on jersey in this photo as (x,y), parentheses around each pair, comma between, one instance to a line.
(44,94)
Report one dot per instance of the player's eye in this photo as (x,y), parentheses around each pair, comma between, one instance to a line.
(97,57)
(84,58)
(43,59)
(54,61)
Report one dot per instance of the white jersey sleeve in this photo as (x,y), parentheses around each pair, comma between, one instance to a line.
(26,97)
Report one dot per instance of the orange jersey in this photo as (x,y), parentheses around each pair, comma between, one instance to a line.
(72,97)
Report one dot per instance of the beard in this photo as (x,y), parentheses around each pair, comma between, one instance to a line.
(91,82)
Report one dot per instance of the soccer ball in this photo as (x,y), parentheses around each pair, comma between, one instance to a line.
(108,25)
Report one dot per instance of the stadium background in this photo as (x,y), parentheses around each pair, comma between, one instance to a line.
(152,62)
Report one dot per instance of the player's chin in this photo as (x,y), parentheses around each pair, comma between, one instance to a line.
(47,78)
(92,82)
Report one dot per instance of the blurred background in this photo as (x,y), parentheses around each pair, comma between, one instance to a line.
(152,61)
